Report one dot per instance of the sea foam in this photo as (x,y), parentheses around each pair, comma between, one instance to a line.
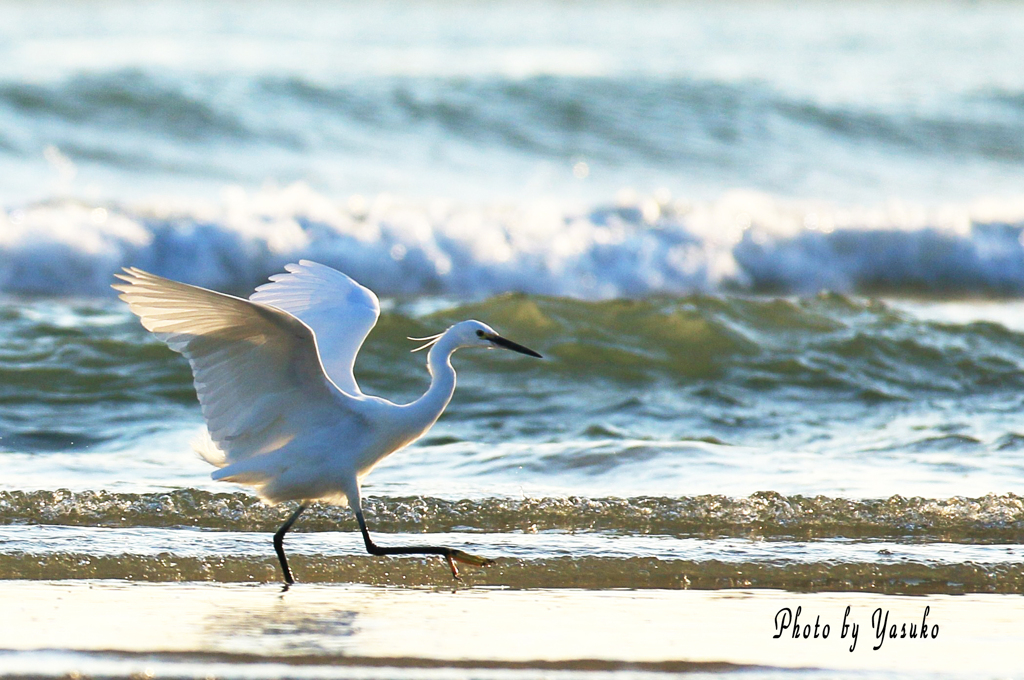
(631,246)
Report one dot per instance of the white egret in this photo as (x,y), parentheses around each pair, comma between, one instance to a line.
(274,379)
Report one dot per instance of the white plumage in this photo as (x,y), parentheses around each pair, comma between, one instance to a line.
(274,377)
(338,310)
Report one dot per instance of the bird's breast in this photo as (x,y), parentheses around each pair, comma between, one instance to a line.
(389,431)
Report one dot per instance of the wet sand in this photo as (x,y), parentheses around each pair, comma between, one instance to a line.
(200,629)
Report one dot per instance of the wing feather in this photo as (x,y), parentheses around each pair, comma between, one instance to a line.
(256,368)
(340,312)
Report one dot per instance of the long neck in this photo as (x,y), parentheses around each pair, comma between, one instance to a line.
(428,408)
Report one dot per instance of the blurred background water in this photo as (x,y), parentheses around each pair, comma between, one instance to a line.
(772,252)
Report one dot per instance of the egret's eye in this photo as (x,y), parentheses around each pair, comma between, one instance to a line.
(479,334)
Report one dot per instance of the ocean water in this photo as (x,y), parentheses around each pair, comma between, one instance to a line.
(594,150)
(772,253)
(816,442)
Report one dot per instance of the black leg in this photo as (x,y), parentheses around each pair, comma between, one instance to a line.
(279,544)
(451,555)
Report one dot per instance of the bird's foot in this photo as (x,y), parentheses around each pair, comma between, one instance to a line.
(455,555)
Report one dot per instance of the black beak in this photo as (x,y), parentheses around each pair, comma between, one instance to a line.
(514,346)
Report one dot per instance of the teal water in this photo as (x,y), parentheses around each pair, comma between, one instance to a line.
(825,395)
(917,101)
(593,151)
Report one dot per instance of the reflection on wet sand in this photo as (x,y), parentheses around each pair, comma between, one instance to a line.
(97,627)
(326,630)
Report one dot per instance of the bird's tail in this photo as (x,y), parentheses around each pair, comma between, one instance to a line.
(208,450)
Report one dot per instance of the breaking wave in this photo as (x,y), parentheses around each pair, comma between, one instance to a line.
(634,246)
(992,518)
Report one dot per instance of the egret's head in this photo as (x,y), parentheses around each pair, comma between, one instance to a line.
(477,334)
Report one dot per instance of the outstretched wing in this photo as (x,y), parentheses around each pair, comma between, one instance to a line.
(340,311)
(257,370)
